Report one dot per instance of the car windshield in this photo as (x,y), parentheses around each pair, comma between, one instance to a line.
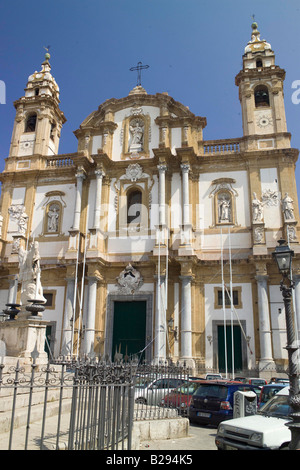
(142,382)
(278,407)
(187,388)
(218,391)
(269,392)
(257,382)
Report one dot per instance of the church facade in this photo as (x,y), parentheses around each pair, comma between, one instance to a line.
(153,241)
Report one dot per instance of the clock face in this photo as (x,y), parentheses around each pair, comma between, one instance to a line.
(264,121)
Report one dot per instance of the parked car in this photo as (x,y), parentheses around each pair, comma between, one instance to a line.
(181,397)
(151,392)
(213,376)
(281,380)
(268,391)
(259,382)
(240,379)
(265,430)
(212,402)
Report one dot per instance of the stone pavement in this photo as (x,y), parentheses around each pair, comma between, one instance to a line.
(199,438)
(195,438)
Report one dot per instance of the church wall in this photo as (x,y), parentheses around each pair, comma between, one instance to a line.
(278,323)
(176,211)
(111,209)
(242,200)
(91,202)
(131,244)
(154,220)
(27,142)
(54,249)
(3,298)
(54,315)
(240,240)
(272,206)
(96,143)
(51,147)
(41,200)
(175,139)
(18,198)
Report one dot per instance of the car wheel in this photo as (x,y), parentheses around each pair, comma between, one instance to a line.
(141,401)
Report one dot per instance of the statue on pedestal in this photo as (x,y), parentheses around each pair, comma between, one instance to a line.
(30,274)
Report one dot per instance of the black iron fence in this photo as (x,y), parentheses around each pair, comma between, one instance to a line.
(85,404)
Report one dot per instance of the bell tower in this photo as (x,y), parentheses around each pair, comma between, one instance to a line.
(39,120)
(261,95)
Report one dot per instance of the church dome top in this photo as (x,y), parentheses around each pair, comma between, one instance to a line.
(256,44)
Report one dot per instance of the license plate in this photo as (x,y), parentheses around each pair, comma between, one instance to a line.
(203,415)
(230,448)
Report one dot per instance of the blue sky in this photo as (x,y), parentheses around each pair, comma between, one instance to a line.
(194,49)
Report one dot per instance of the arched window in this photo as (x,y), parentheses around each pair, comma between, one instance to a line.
(31,123)
(261,96)
(259,63)
(134,206)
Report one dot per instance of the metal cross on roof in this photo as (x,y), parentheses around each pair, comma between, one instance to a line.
(139,69)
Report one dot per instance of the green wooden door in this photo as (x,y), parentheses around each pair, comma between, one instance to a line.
(129,329)
(237,350)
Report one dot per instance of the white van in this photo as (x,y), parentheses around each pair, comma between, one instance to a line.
(265,430)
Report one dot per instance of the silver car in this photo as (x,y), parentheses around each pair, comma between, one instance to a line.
(151,392)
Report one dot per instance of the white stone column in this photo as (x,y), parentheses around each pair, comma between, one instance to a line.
(80,177)
(186,321)
(186,226)
(160,321)
(162,194)
(89,333)
(97,211)
(266,356)
(69,318)
(185,168)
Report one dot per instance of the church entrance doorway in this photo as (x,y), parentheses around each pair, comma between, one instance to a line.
(237,348)
(129,328)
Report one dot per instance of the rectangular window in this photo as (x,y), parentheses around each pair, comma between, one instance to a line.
(236,297)
(50,298)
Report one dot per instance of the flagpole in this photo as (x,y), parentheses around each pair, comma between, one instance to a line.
(231,304)
(223,302)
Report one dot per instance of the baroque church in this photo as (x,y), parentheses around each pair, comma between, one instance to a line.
(154,242)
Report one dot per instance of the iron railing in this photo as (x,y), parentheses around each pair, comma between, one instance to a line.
(85,404)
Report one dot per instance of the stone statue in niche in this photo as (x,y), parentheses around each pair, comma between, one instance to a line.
(257,209)
(136,139)
(224,208)
(17,213)
(288,207)
(30,274)
(129,280)
(291,232)
(258,234)
(53,218)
